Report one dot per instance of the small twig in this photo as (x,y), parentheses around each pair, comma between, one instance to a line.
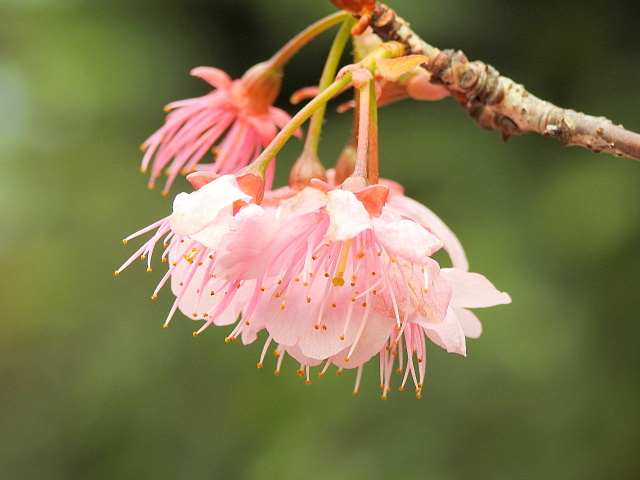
(498,103)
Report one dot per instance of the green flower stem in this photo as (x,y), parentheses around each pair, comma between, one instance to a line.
(372,149)
(282,56)
(329,72)
(386,50)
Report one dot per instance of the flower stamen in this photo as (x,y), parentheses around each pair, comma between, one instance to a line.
(338,280)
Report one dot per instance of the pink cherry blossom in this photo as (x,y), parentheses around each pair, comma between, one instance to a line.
(341,280)
(470,290)
(191,237)
(237,120)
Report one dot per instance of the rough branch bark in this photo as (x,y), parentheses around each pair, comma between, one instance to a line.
(498,103)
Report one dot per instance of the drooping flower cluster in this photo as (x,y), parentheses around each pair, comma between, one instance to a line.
(333,276)
(333,272)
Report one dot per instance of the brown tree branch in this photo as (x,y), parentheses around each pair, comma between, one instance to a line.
(498,103)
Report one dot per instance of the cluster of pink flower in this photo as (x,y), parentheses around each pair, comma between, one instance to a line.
(337,266)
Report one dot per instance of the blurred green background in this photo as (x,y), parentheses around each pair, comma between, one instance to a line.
(91,386)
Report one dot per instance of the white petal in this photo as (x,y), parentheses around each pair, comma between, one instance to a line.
(448,334)
(470,324)
(410,208)
(348,216)
(307,200)
(472,290)
(406,239)
(194,211)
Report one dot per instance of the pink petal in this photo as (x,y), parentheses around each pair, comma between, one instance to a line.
(213,76)
(259,246)
(201,178)
(297,354)
(432,305)
(374,336)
